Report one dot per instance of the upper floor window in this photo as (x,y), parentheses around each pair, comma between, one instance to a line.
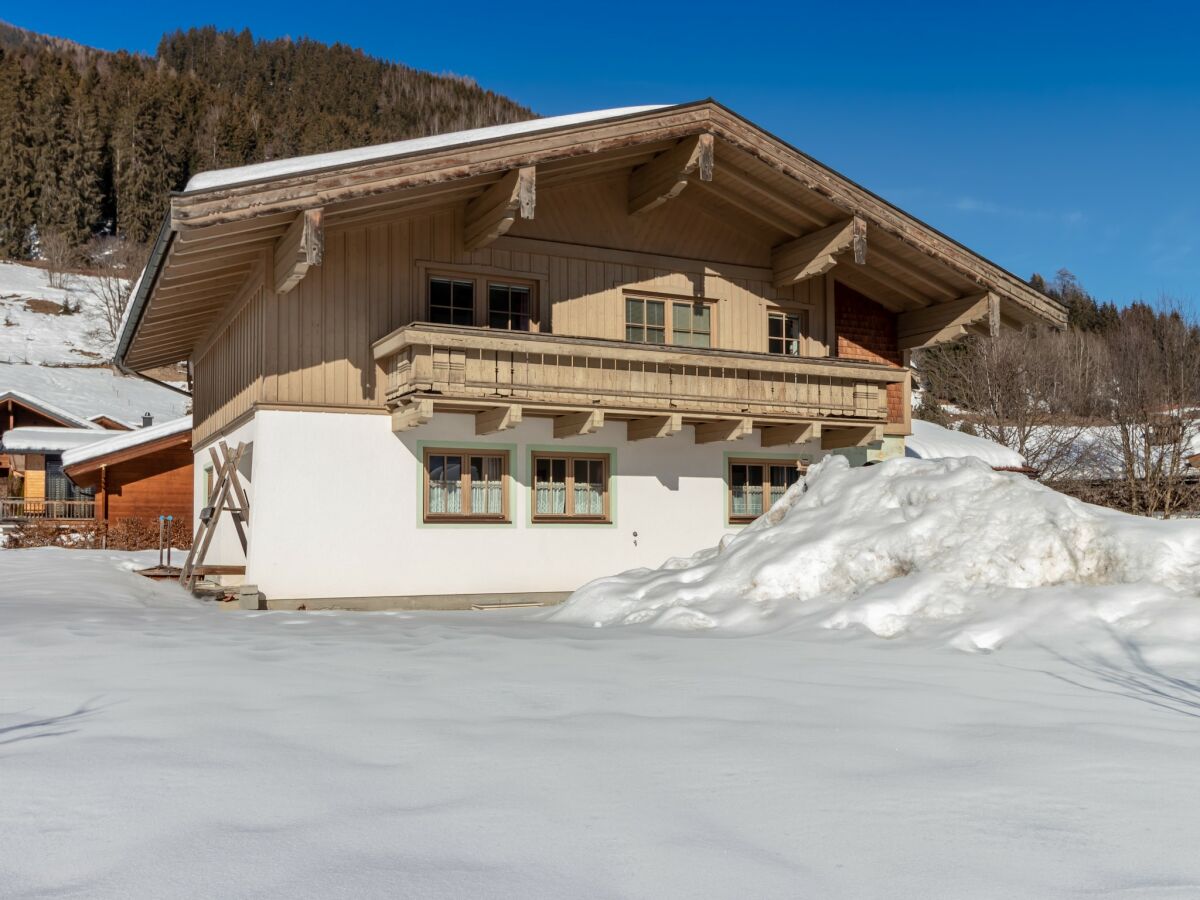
(754,486)
(785,332)
(684,323)
(470,300)
(509,306)
(451,301)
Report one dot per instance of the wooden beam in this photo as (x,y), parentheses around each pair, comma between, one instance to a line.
(790,435)
(880,287)
(994,315)
(654,427)
(723,430)
(300,248)
(816,253)
(665,176)
(578,424)
(412,415)
(751,184)
(493,214)
(941,322)
(851,436)
(501,418)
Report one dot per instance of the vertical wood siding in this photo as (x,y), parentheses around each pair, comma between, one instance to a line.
(312,346)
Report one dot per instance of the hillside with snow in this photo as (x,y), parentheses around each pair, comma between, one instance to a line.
(61,358)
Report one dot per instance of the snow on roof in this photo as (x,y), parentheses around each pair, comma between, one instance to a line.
(48,409)
(93,391)
(299,164)
(930,441)
(30,439)
(126,440)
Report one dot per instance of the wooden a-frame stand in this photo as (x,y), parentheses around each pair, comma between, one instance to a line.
(227,496)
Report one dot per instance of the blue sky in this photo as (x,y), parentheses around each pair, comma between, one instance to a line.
(1041,135)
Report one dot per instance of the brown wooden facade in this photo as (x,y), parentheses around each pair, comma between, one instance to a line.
(142,482)
(311,290)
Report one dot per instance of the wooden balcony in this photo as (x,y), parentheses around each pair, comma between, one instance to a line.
(20,508)
(502,376)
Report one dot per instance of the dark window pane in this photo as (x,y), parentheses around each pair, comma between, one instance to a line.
(634,312)
(634,333)
(656,313)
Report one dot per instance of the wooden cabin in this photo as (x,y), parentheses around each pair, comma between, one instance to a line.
(32,481)
(489,366)
(140,474)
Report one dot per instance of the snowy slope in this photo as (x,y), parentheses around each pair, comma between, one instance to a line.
(153,746)
(930,441)
(948,549)
(31,336)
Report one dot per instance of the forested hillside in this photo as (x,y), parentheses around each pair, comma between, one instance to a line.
(92,141)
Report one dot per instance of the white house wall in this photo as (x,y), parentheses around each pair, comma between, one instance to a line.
(225,548)
(336,509)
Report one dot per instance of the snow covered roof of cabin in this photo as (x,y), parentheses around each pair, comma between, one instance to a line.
(31,439)
(299,164)
(126,440)
(48,409)
(91,391)
(930,441)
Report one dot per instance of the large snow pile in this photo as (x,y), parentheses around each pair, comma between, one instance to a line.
(945,548)
(930,441)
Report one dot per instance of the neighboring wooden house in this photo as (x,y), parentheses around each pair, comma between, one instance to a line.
(139,474)
(32,483)
(490,366)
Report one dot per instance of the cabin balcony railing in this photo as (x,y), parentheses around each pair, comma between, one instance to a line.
(19,508)
(448,363)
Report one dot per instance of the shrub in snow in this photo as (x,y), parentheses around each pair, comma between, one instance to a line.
(946,547)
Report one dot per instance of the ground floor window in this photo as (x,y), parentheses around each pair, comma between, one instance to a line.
(466,485)
(570,487)
(754,485)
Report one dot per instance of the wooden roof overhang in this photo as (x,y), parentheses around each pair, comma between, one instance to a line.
(813,218)
(86,474)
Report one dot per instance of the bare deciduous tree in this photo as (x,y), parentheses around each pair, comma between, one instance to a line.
(56,249)
(115,263)
(1032,391)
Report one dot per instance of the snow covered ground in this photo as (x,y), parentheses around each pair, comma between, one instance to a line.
(154,746)
(31,333)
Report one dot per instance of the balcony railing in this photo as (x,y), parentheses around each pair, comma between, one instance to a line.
(424,360)
(21,508)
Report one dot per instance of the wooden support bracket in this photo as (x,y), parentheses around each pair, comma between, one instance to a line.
(654,427)
(665,176)
(816,253)
(790,435)
(945,321)
(578,424)
(850,436)
(301,247)
(493,214)
(501,418)
(412,415)
(724,430)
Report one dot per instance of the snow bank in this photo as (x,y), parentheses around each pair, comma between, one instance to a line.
(930,441)
(126,440)
(300,164)
(949,548)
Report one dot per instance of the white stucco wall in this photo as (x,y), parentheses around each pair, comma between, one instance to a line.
(337,509)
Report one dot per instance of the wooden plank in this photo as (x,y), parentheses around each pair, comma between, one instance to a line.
(789,435)
(493,214)
(412,415)
(942,321)
(816,253)
(833,438)
(501,418)
(578,424)
(665,176)
(724,430)
(300,248)
(654,427)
